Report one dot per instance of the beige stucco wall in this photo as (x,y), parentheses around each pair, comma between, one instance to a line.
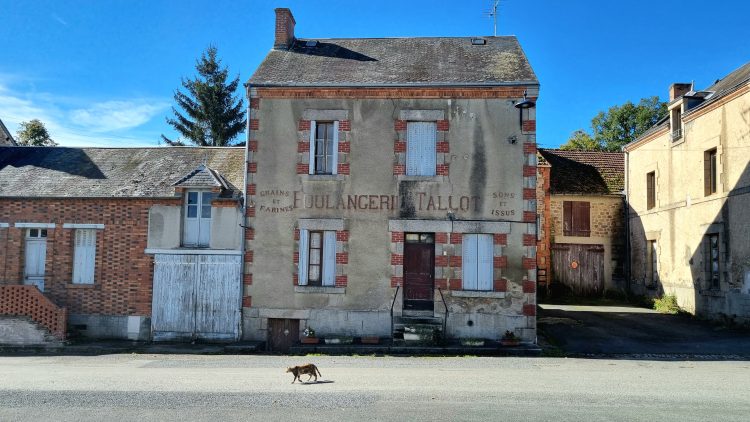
(683,214)
(165,227)
(485,168)
(606,221)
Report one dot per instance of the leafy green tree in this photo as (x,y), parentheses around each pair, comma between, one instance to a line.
(618,126)
(33,133)
(212,115)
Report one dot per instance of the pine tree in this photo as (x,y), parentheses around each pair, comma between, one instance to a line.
(213,116)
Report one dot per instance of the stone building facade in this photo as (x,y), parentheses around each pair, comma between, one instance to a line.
(688,181)
(390,178)
(581,237)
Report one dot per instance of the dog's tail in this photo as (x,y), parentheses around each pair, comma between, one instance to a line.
(316,368)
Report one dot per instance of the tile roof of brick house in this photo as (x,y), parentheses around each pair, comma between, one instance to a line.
(62,172)
(377,62)
(585,172)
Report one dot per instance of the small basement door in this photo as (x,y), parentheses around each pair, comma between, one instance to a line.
(196,297)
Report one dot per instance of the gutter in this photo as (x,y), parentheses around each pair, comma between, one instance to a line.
(381,85)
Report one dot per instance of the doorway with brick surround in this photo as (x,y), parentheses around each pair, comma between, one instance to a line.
(419,271)
(35,257)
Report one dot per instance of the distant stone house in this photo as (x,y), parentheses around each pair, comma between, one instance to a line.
(390,180)
(581,238)
(125,239)
(688,190)
(6,139)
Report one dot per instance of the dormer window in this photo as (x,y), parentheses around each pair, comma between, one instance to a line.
(197,221)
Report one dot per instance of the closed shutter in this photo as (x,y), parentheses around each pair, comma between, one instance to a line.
(313,131)
(581,219)
(84,256)
(650,190)
(304,241)
(484,261)
(420,148)
(204,223)
(329,258)
(469,262)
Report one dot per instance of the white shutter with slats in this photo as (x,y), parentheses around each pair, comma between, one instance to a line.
(329,258)
(313,127)
(335,152)
(84,256)
(420,148)
(484,261)
(469,262)
(304,251)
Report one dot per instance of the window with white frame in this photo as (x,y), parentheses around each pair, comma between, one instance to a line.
(84,256)
(476,261)
(197,218)
(324,139)
(421,155)
(317,258)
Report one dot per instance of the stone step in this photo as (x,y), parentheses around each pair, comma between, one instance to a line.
(432,320)
(23,331)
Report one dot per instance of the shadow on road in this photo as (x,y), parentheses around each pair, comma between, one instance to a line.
(630,332)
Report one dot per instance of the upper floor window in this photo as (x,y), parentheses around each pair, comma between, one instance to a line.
(650,190)
(317,258)
(421,138)
(476,261)
(709,172)
(197,218)
(576,218)
(676,123)
(323,147)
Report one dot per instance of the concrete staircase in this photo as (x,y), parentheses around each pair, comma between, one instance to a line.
(417,328)
(23,331)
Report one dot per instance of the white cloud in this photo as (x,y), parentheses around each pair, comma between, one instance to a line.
(108,123)
(116,115)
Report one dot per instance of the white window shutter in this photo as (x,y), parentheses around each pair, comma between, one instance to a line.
(84,256)
(485,250)
(304,251)
(313,127)
(335,152)
(469,262)
(420,148)
(329,258)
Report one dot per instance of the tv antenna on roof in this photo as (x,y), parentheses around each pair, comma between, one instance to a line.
(492,13)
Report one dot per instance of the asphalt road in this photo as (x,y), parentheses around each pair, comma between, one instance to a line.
(216,388)
(628,330)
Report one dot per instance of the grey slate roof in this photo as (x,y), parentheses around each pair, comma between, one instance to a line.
(396,62)
(5,136)
(585,172)
(112,172)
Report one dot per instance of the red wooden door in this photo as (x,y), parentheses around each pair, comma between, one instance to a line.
(419,264)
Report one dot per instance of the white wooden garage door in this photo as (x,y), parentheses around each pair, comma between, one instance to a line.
(196,297)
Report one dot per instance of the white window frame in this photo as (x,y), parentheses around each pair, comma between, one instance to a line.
(477,261)
(328,258)
(84,255)
(200,225)
(421,148)
(334,147)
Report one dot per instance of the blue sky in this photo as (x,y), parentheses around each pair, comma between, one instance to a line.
(102,72)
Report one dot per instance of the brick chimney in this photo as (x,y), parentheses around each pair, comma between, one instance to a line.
(676,90)
(284,29)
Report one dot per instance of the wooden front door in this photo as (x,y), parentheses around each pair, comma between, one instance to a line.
(579,267)
(419,265)
(35,258)
(282,334)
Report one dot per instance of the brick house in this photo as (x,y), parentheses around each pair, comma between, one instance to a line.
(581,238)
(688,180)
(6,139)
(390,179)
(85,226)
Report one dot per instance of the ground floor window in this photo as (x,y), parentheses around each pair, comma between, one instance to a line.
(317,258)
(652,277)
(84,256)
(476,261)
